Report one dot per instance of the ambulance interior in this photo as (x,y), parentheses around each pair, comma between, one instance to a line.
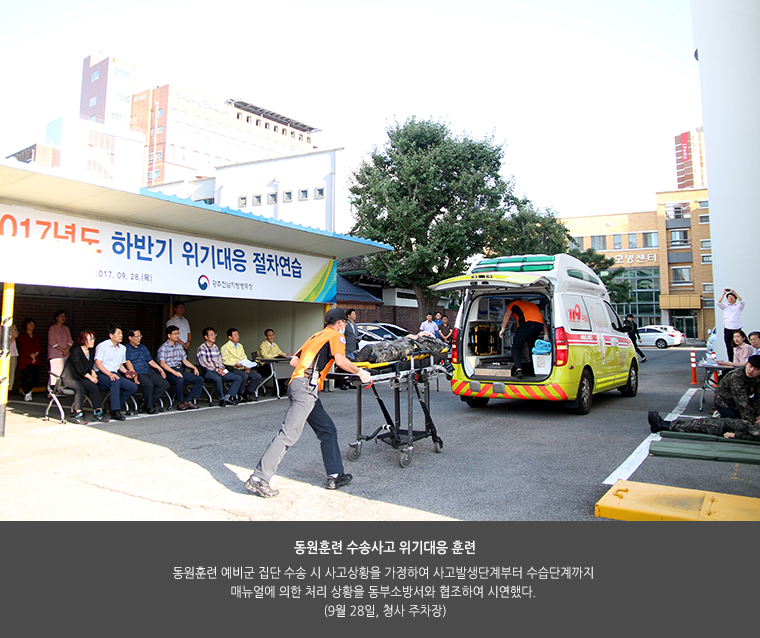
(486,356)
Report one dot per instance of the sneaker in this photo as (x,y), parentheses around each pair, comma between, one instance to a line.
(334,482)
(260,488)
(28,396)
(100,416)
(79,418)
(656,422)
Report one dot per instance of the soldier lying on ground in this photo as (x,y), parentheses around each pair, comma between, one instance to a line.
(398,350)
(727,428)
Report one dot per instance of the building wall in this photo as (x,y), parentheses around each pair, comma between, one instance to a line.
(110,83)
(686,303)
(690,159)
(198,134)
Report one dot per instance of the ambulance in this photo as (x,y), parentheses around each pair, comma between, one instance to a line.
(589,351)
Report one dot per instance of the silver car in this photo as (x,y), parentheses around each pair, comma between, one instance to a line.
(660,336)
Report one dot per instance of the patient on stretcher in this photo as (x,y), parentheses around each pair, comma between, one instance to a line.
(398,350)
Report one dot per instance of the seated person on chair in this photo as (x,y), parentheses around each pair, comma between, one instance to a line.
(233,353)
(399,349)
(268,350)
(110,357)
(79,375)
(211,367)
(742,351)
(151,376)
(173,359)
(530,324)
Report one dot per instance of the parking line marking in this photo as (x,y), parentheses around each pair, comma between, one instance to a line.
(631,464)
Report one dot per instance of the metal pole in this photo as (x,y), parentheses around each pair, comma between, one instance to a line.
(9,291)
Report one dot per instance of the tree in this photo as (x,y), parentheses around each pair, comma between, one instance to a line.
(620,291)
(436,198)
(531,231)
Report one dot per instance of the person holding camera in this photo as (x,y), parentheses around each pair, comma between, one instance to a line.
(732,318)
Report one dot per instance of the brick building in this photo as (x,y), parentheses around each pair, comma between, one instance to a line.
(667,258)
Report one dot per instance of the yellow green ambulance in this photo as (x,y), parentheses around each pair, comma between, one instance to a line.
(590,353)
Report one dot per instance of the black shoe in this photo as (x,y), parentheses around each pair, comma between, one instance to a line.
(250,397)
(118,416)
(334,482)
(150,410)
(242,399)
(518,374)
(656,422)
(260,488)
(644,360)
(222,403)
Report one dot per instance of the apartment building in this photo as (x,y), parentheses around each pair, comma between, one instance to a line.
(667,257)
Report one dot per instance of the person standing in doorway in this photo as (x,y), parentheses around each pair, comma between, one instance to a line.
(185,335)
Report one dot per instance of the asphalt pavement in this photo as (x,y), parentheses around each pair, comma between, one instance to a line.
(511,460)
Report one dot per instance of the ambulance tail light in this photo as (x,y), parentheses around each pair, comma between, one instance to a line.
(454,349)
(560,347)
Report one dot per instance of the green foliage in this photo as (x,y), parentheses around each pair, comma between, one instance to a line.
(620,291)
(531,231)
(436,198)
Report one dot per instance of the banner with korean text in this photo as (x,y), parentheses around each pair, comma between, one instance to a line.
(51,249)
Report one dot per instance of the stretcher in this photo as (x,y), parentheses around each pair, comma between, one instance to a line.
(415,371)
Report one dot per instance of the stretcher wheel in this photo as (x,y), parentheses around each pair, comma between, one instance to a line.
(354,451)
(438,446)
(405,458)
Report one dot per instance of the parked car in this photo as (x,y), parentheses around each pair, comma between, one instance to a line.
(672,329)
(385,331)
(367,337)
(660,336)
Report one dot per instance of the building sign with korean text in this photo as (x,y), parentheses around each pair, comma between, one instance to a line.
(641,258)
(51,249)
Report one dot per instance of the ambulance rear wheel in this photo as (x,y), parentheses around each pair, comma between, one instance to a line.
(476,402)
(632,387)
(582,403)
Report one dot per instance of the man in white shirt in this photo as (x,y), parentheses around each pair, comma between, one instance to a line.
(185,336)
(110,357)
(429,325)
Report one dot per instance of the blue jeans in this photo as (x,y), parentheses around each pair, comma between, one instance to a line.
(235,381)
(120,389)
(179,384)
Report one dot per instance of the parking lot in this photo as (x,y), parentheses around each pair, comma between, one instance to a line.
(508,461)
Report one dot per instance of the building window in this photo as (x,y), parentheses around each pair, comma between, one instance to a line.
(272,198)
(239,116)
(303,195)
(708,287)
(319,193)
(308,140)
(706,259)
(242,202)
(679,238)
(287,196)
(159,155)
(248,119)
(276,129)
(256,200)
(150,175)
(284,131)
(599,242)
(293,134)
(158,174)
(93,100)
(577,242)
(160,112)
(704,203)
(617,242)
(258,122)
(708,302)
(681,276)
(266,125)
(677,211)
(704,219)
(650,240)
(632,240)
(706,244)
(95,75)
(300,138)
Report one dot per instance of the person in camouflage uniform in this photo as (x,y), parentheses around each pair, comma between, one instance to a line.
(398,350)
(732,396)
(728,428)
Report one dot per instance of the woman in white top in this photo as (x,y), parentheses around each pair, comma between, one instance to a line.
(742,351)
(732,318)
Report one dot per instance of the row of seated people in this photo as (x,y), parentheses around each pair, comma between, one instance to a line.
(122,370)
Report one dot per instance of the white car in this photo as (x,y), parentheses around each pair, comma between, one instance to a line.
(660,336)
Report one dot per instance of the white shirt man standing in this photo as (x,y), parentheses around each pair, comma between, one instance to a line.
(185,336)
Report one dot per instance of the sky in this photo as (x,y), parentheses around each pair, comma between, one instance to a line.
(586,96)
